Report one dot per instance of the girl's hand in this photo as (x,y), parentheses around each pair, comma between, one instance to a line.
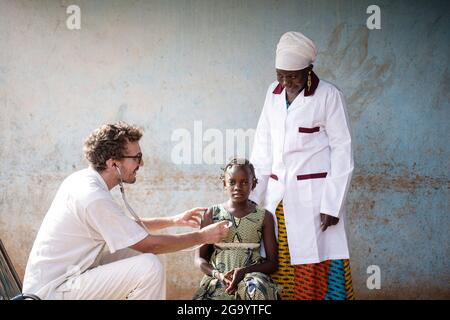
(190,218)
(227,277)
(234,277)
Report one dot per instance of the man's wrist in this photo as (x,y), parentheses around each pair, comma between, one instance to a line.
(173,221)
(200,236)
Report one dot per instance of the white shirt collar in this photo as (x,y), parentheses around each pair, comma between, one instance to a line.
(99,177)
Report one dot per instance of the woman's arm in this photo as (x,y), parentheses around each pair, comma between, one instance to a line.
(337,182)
(261,155)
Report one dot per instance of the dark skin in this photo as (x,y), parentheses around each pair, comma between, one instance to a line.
(294,82)
(238,184)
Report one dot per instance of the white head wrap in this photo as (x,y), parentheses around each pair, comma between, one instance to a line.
(295,51)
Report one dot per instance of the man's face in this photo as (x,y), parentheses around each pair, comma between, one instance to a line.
(131,161)
(293,81)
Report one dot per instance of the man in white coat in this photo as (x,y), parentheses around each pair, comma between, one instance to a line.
(88,248)
(303,160)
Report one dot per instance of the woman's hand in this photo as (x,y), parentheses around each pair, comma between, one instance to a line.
(190,218)
(327,221)
(232,278)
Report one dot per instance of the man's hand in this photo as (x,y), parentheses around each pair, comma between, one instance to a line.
(232,279)
(327,221)
(220,277)
(190,218)
(215,232)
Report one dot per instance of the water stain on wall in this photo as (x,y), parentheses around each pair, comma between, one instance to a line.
(347,54)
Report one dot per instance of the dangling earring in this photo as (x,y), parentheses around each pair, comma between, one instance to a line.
(309,80)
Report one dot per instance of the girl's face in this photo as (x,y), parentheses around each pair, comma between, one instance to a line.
(238,183)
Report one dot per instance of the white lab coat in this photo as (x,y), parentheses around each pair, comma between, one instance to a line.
(293,150)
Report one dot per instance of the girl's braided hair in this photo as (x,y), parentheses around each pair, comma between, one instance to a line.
(240,162)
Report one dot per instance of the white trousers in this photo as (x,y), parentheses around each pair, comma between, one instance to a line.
(126,274)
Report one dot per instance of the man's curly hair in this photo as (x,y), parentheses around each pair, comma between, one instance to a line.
(108,142)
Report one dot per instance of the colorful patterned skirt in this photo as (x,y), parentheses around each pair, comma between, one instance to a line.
(327,280)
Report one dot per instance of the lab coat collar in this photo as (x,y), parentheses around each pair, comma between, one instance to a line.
(314,84)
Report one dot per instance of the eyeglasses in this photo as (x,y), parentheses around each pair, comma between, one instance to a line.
(137,157)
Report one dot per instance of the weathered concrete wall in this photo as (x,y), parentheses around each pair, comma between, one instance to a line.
(165,64)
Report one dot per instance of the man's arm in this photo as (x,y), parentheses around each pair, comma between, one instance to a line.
(158,223)
(158,244)
(190,218)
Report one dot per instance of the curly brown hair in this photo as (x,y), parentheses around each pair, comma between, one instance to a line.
(108,142)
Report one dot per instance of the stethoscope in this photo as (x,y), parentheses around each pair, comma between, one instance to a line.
(127,205)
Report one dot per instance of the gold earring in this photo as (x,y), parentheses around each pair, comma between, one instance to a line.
(309,80)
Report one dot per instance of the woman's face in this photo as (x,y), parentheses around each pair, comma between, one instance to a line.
(293,81)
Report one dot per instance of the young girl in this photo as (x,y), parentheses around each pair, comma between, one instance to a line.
(234,268)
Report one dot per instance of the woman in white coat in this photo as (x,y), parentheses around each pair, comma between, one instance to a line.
(303,159)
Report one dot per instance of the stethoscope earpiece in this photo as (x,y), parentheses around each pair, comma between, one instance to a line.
(118,170)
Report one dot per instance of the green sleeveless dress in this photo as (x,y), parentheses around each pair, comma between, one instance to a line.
(240,249)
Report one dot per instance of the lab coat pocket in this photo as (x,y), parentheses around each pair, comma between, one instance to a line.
(317,186)
(306,137)
(311,187)
(304,188)
(308,130)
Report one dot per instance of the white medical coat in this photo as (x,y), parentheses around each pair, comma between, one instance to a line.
(303,156)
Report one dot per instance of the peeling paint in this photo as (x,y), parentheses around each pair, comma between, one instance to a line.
(406,183)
